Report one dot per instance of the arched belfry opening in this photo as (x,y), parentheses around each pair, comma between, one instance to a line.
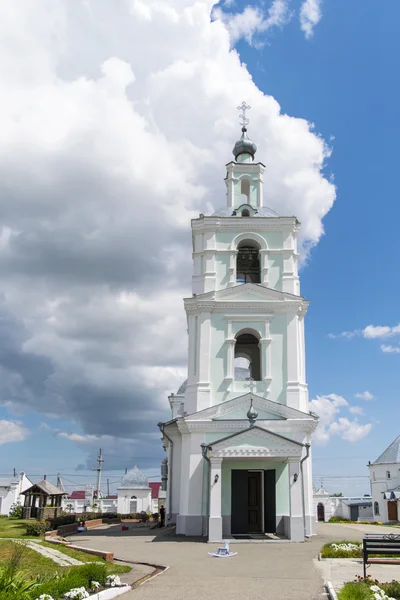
(248,262)
(245,191)
(247,356)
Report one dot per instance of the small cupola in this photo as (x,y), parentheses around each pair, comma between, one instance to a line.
(244,146)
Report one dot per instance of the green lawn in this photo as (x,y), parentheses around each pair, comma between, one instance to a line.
(13,528)
(34,564)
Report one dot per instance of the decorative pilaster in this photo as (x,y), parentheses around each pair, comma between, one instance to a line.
(266,359)
(264,266)
(215,519)
(232,268)
(296,526)
(292,361)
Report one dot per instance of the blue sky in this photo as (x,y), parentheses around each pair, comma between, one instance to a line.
(343,80)
(61,315)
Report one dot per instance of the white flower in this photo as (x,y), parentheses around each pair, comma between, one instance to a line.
(347,547)
(77,594)
(375,588)
(95,585)
(45,597)
(113,580)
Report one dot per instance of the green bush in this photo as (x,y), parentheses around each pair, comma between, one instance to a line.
(76,577)
(338,520)
(57,522)
(37,528)
(392,589)
(15,511)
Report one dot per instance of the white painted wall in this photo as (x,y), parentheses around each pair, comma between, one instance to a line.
(78,506)
(143,500)
(12,494)
(380,483)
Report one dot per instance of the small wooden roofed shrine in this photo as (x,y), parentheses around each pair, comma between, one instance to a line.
(43,500)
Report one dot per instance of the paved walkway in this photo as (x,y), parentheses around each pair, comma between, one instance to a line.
(56,556)
(260,571)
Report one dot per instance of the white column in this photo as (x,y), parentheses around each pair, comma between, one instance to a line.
(232,268)
(296,505)
(181,521)
(292,361)
(303,402)
(204,344)
(230,354)
(308,496)
(264,266)
(265,347)
(215,519)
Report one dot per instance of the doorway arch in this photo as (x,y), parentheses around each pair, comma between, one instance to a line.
(320,512)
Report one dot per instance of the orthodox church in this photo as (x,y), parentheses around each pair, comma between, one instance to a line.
(239,440)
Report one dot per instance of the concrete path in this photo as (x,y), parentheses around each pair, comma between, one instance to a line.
(55,555)
(260,571)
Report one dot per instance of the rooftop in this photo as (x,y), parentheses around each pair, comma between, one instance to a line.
(391,454)
(134,479)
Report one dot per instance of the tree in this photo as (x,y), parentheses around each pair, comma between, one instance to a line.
(337,495)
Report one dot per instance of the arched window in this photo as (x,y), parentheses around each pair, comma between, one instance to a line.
(376,509)
(245,191)
(245,212)
(133,505)
(247,348)
(248,262)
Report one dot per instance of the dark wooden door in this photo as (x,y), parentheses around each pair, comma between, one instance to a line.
(239,510)
(320,512)
(270,501)
(392,511)
(353,513)
(254,502)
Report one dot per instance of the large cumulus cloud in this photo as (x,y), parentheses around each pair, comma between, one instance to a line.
(116,122)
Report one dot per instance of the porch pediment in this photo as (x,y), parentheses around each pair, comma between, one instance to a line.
(255,442)
(237,408)
(256,292)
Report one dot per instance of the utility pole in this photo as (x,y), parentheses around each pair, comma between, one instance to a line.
(100,461)
(15,472)
(108,488)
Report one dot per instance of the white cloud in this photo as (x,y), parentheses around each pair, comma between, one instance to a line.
(373,332)
(356,410)
(370,332)
(390,349)
(12,431)
(112,138)
(252,21)
(345,334)
(310,15)
(330,424)
(364,395)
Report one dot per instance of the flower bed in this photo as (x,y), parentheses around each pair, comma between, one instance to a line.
(368,589)
(79,583)
(342,549)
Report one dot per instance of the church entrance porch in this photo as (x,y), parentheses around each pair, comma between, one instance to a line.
(253,502)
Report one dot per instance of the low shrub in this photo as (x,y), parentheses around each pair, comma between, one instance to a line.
(57,522)
(15,511)
(338,520)
(37,528)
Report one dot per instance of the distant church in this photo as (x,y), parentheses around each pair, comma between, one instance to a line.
(238,442)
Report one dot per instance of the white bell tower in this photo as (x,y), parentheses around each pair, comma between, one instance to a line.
(245,301)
